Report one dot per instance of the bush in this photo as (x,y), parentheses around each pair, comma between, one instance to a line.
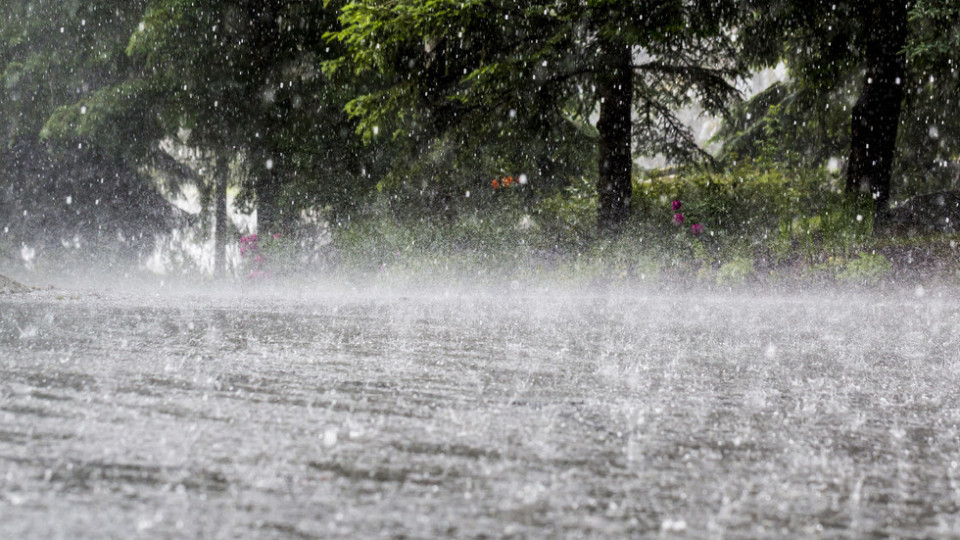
(726,227)
(757,210)
(736,271)
(867,268)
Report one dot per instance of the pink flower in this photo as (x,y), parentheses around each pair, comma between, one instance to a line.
(243,249)
(258,259)
(678,219)
(677,205)
(276,236)
(696,229)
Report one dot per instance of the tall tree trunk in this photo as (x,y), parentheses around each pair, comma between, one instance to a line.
(876,115)
(267,188)
(614,184)
(220,200)
(261,16)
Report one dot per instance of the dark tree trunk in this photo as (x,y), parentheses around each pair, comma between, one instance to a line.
(268,199)
(614,184)
(266,167)
(876,115)
(220,200)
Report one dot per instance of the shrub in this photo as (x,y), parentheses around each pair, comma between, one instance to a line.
(867,268)
(736,271)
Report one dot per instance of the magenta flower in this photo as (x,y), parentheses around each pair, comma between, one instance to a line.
(696,229)
(677,205)
(678,219)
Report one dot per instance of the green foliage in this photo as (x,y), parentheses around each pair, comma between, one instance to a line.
(62,69)
(517,80)
(746,205)
(789,125)
(52,53)
(824,44)
(571,212)
(866,268)
(800,229)
(736,271)
(756,211)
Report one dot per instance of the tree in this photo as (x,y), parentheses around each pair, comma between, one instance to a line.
(237,83)
(929,152)
(242,76)
(861,84)
(448,65)
(77,191)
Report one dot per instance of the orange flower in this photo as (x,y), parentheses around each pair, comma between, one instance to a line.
(495,184)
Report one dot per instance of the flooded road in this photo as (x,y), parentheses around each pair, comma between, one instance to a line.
(548,414)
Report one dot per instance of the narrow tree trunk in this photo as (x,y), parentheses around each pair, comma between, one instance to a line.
(614,184)
(876,115)
(220,200)
(267,188)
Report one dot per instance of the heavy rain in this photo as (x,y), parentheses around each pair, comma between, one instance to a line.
(485,269)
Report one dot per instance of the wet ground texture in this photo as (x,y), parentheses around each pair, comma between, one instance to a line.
(558,414)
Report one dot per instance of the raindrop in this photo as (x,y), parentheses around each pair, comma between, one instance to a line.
(330,437)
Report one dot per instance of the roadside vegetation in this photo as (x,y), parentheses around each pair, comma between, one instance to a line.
(754,223)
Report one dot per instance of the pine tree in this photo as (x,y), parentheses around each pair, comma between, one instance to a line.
(871,80)
(79,190)
(488,68)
